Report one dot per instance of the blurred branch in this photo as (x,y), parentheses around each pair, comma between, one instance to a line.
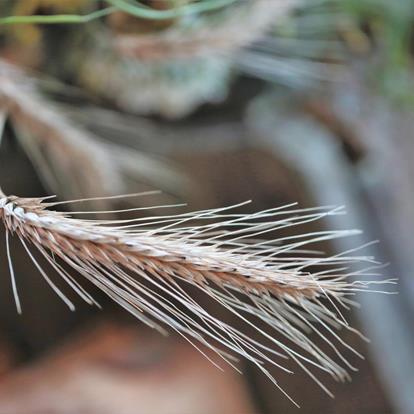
(137,9)
(57,18)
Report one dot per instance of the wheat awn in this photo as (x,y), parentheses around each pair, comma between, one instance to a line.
(145,264)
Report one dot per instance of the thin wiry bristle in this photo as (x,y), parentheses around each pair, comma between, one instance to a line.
(146,264)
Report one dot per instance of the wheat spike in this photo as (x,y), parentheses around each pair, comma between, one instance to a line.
(144,264)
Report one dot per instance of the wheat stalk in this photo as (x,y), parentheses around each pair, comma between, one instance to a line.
(72,161)
(145,264)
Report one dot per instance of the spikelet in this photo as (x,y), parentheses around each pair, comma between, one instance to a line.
(180,68)
(147,264)
(220,36)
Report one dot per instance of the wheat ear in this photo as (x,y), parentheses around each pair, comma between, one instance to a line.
(145,264)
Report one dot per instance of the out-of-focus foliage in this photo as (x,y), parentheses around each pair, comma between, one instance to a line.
(30,33)
(296,51)
(389,25)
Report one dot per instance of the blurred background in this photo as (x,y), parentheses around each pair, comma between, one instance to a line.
(213,102)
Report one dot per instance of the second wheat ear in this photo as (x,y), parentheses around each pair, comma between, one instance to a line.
(146,264)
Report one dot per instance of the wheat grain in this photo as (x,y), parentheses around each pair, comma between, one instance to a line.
(144,264)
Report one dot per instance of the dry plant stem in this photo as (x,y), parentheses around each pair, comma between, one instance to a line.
(71,160)
(33,117)
(144,265)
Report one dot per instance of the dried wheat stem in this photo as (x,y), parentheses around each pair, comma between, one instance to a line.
(146,264)
(72,161)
